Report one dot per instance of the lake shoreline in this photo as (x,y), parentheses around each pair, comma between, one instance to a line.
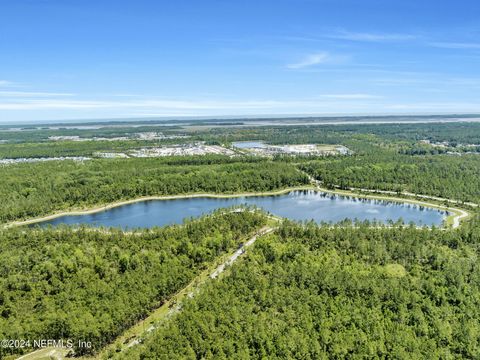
(453,218)
(96,209)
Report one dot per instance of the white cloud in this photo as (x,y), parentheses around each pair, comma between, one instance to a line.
(350,96)
(312,59)
(425,79)
(461,107)
(371,37)
(354,103)
(61,106)
(31,94)
(455,45)
(27,104)
(152,105)
(5,83)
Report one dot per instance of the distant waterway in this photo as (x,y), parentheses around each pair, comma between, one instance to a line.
(249,144)
(296,205)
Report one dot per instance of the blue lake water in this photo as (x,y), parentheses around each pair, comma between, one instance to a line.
(249,144)
(295,205)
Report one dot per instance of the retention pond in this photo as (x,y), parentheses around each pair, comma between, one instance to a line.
(296,205)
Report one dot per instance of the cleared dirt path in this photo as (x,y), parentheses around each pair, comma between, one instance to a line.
(239,252)
(143,328)
(138,332)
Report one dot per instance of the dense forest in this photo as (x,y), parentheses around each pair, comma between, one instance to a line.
(359,137)
(29,190)
(305,291)
(310,292)
(70,148)
(89,284)
(458,132)
(30,134)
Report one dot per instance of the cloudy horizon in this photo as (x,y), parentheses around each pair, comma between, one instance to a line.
(155,59)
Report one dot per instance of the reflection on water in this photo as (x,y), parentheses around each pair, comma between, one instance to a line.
(295,205)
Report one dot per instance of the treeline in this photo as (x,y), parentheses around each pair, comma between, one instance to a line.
(453,132)
(43,133)
(30,190)
(310,292)
(360,137)
(451,149)
(306,134)
(453,177)
(71,148)
(91,285)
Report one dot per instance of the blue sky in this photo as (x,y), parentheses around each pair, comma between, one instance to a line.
(68,59)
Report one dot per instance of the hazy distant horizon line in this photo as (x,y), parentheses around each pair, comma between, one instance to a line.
(74,121)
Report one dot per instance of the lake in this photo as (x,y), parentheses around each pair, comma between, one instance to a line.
(249,144)
(296,205)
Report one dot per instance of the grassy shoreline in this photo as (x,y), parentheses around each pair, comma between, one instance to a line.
(455,213)
(460,214)
(98,208)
